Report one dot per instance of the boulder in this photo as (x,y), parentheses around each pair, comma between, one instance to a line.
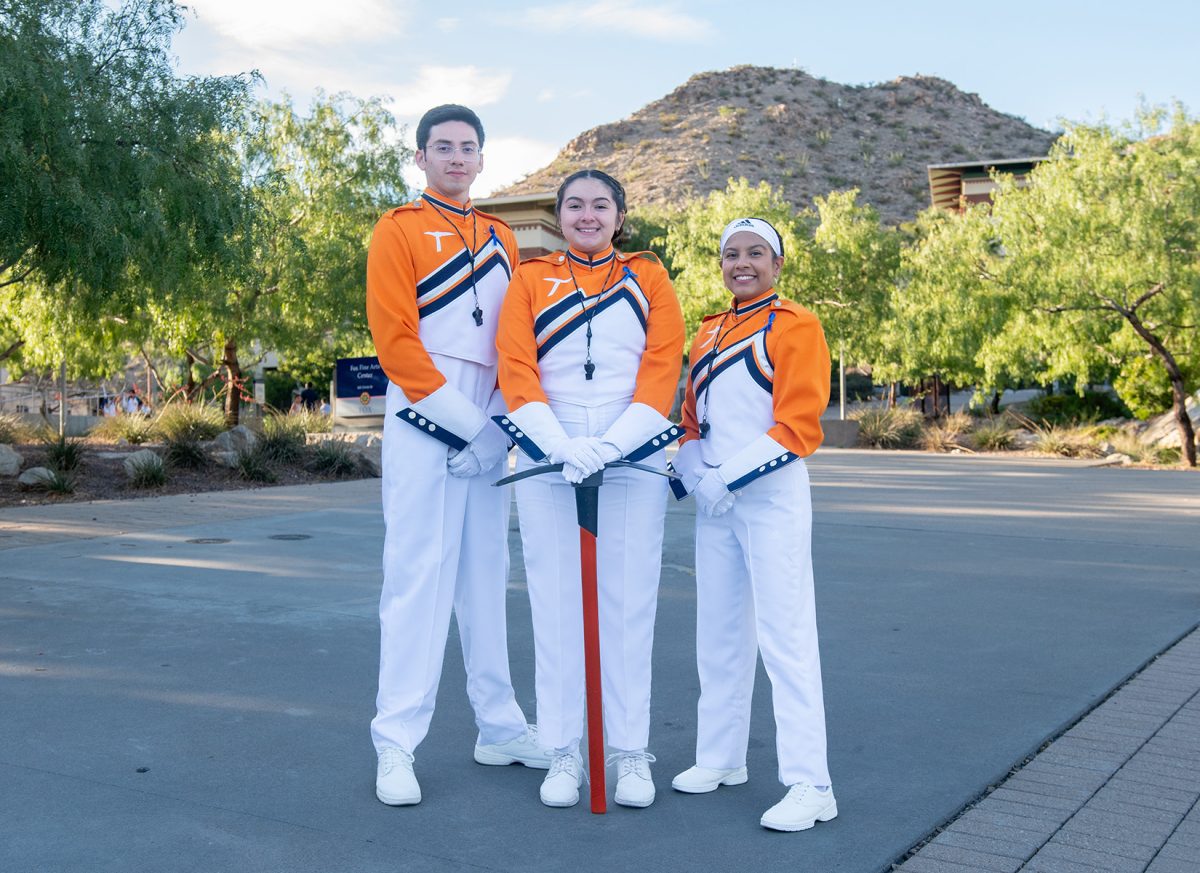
(1162,430)
(36,477)
(10,461)
(137,459)
(237,439)
(225,459)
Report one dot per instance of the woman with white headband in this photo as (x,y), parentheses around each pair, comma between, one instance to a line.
(758,384)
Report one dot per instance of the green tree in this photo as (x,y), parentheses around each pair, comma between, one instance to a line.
(1103,254)
(116,173)
(849,269)
(315,184)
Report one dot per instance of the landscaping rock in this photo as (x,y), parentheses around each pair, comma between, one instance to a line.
(138,458)
(1162,430)
(10,461)
(237,439)
(36,477)
(225,459)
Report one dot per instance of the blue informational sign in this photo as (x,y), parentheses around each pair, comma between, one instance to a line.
(360,387)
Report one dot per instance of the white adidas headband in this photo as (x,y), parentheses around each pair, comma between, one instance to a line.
(756,226)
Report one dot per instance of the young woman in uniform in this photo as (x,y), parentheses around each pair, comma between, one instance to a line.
(591,342)
(758,383)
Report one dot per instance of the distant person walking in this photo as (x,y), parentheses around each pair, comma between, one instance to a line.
(758,383)
(309,397)
(437,270)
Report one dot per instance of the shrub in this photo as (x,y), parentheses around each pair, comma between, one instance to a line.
(134,429)
(254,466)
(282,439)
(1075,409)
(60,482)
(888,428)
(191,422)
(333,459)
(148,472)
(1067,442)
(64,455)
(14,429)
(936,437)
(993,435)
(185,453)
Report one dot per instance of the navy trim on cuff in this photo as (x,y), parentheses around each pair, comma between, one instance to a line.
(518,438)
(763,469)
(425,426)
(677,487)
(657,443)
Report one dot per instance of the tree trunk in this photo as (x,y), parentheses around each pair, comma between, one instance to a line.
(189,378)
(233,384)
(994,405)
(1187,435)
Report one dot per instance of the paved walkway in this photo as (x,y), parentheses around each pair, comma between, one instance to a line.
(1117,792)
(186,682)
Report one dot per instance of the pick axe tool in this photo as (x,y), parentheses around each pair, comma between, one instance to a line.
(587,511)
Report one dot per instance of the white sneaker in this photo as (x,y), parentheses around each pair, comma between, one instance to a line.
(519,750)
(635,787)
(800,808)
(395,782)
(701,780)
(560,788)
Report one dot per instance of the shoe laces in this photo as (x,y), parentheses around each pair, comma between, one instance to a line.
(567,763)
(392,757)
(797,792)
(637,763)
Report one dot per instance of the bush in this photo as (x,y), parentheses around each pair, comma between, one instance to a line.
(134,429)
(310,421)
(858,386)
(185,454)
(148,472)
(282,439)
(333,459)
(888,428)
(254,466)
(189,422)
(993,435)
(941,437)
(1067,442)
(60,482)
(64,455)
(13,428)
(1059,409)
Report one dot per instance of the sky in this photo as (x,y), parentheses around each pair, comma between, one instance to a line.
(540,73)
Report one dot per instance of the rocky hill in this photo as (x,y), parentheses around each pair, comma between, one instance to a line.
(804,135)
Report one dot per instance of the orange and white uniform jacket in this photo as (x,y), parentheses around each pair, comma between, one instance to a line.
(627,304)
(424,299)
(758,383)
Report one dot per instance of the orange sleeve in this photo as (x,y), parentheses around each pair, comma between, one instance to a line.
(800,392)
(691,425)
(392,313)
(658,373)
(518,373)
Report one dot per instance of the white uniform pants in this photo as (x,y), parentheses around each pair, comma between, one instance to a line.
(446,545)
(628,558)
(754,585)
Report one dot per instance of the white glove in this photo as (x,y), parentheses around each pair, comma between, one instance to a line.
(572,473)
(582,453)
(713,496)
(464,464)
(490,446)
(689,465)
(609,452)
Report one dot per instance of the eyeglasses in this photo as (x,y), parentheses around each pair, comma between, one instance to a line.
(445,151)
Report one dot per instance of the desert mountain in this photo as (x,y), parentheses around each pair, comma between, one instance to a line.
(804,135)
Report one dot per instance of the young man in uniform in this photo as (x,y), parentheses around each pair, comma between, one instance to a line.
(437,270)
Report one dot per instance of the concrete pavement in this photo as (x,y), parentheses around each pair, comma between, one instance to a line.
(186,682)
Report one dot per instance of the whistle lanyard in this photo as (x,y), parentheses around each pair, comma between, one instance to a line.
(705,427)
(477,314)
(589,368)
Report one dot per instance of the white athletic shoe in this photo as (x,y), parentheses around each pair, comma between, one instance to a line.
(701,780)
(519,750)
(635,787)
(800,809)
(395,782)
(560,788)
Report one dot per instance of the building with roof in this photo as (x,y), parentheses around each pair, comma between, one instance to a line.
(955,186)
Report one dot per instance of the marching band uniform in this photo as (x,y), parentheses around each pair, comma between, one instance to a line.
(758,383)
(591,346)
(433,311)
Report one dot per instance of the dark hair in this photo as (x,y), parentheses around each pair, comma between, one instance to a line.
(618,194)
(440,115)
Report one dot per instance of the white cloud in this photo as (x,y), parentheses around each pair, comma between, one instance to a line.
(469,85)
(447,25)
(288,24)
(545,95)
(665,23)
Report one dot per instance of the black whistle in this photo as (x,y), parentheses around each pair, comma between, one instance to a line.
(478,314)
(588,369)
(705,427)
